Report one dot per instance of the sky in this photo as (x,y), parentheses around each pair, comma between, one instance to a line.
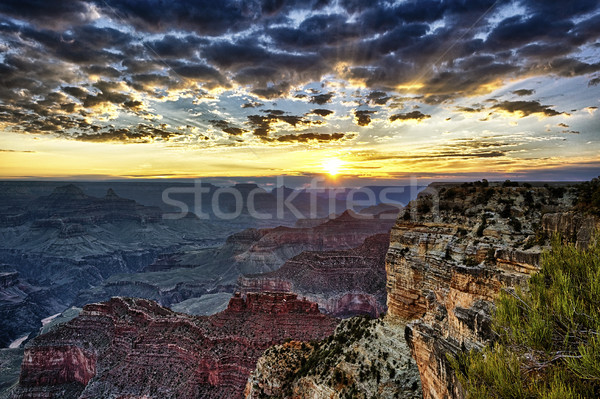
(377,90)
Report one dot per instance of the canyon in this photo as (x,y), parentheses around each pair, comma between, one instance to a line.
(135,348)
(58,244)
(71,248)
(448,256)
(194,272)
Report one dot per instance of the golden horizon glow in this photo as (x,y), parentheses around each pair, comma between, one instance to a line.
(332,166)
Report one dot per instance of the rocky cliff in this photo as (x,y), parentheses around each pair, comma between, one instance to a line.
(363,359)
(135,348)
(344,283)
(451,253)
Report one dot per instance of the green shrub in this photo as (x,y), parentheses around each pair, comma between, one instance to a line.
(548,342)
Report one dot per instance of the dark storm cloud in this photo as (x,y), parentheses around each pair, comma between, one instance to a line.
(82,45)
(47,13)
(76,92)
(438,50)
(252,104)
(363,117)
(526,108)
(321,98)
(316,31)
(523,92)
(518,30)
(109,93)
(205,17)
(276,91)
(263,124)
(171,46)
(413,115)
(142,133)
(378,98)
(104,71)
(306,137)
(203,73)
(321,112)
(228,127)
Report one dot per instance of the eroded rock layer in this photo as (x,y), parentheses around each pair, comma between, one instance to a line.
(343,283)
(135,348)
(452,252)
(363,359)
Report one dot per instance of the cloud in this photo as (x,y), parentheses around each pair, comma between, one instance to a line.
(470,110)
(363,117)
(263,124)
(321,98)
(413,115)
(523,92)
(21,151)
(307,137)
(526,108)
(48,14)
(252,104)
(321,112)
(378,98)
(67,71)
(140,134)
(228,128)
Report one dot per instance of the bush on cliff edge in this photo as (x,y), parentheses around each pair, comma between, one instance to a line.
(548,337)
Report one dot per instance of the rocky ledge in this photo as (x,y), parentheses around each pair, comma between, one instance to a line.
(363,359)
(135,348)
(451,253)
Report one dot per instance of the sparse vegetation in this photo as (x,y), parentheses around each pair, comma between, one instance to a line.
(547,343)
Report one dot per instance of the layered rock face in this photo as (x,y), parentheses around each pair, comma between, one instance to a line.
(450,255)
(205,271)
(21,307)
(363,359)
(343,283)
(135,348)
(274,246)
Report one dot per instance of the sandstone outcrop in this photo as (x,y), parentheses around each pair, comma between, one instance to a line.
(363,359)
(135,348)
(451,253)
(343,283)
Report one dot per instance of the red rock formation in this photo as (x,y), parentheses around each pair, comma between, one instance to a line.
(134,348)
(343,283)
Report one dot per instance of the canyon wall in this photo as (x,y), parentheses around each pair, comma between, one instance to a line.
(135,348)
(343,282)
(452,252)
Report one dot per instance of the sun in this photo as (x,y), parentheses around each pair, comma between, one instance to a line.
(332,166)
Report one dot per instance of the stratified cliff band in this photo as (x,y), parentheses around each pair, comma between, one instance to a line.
(135,348)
